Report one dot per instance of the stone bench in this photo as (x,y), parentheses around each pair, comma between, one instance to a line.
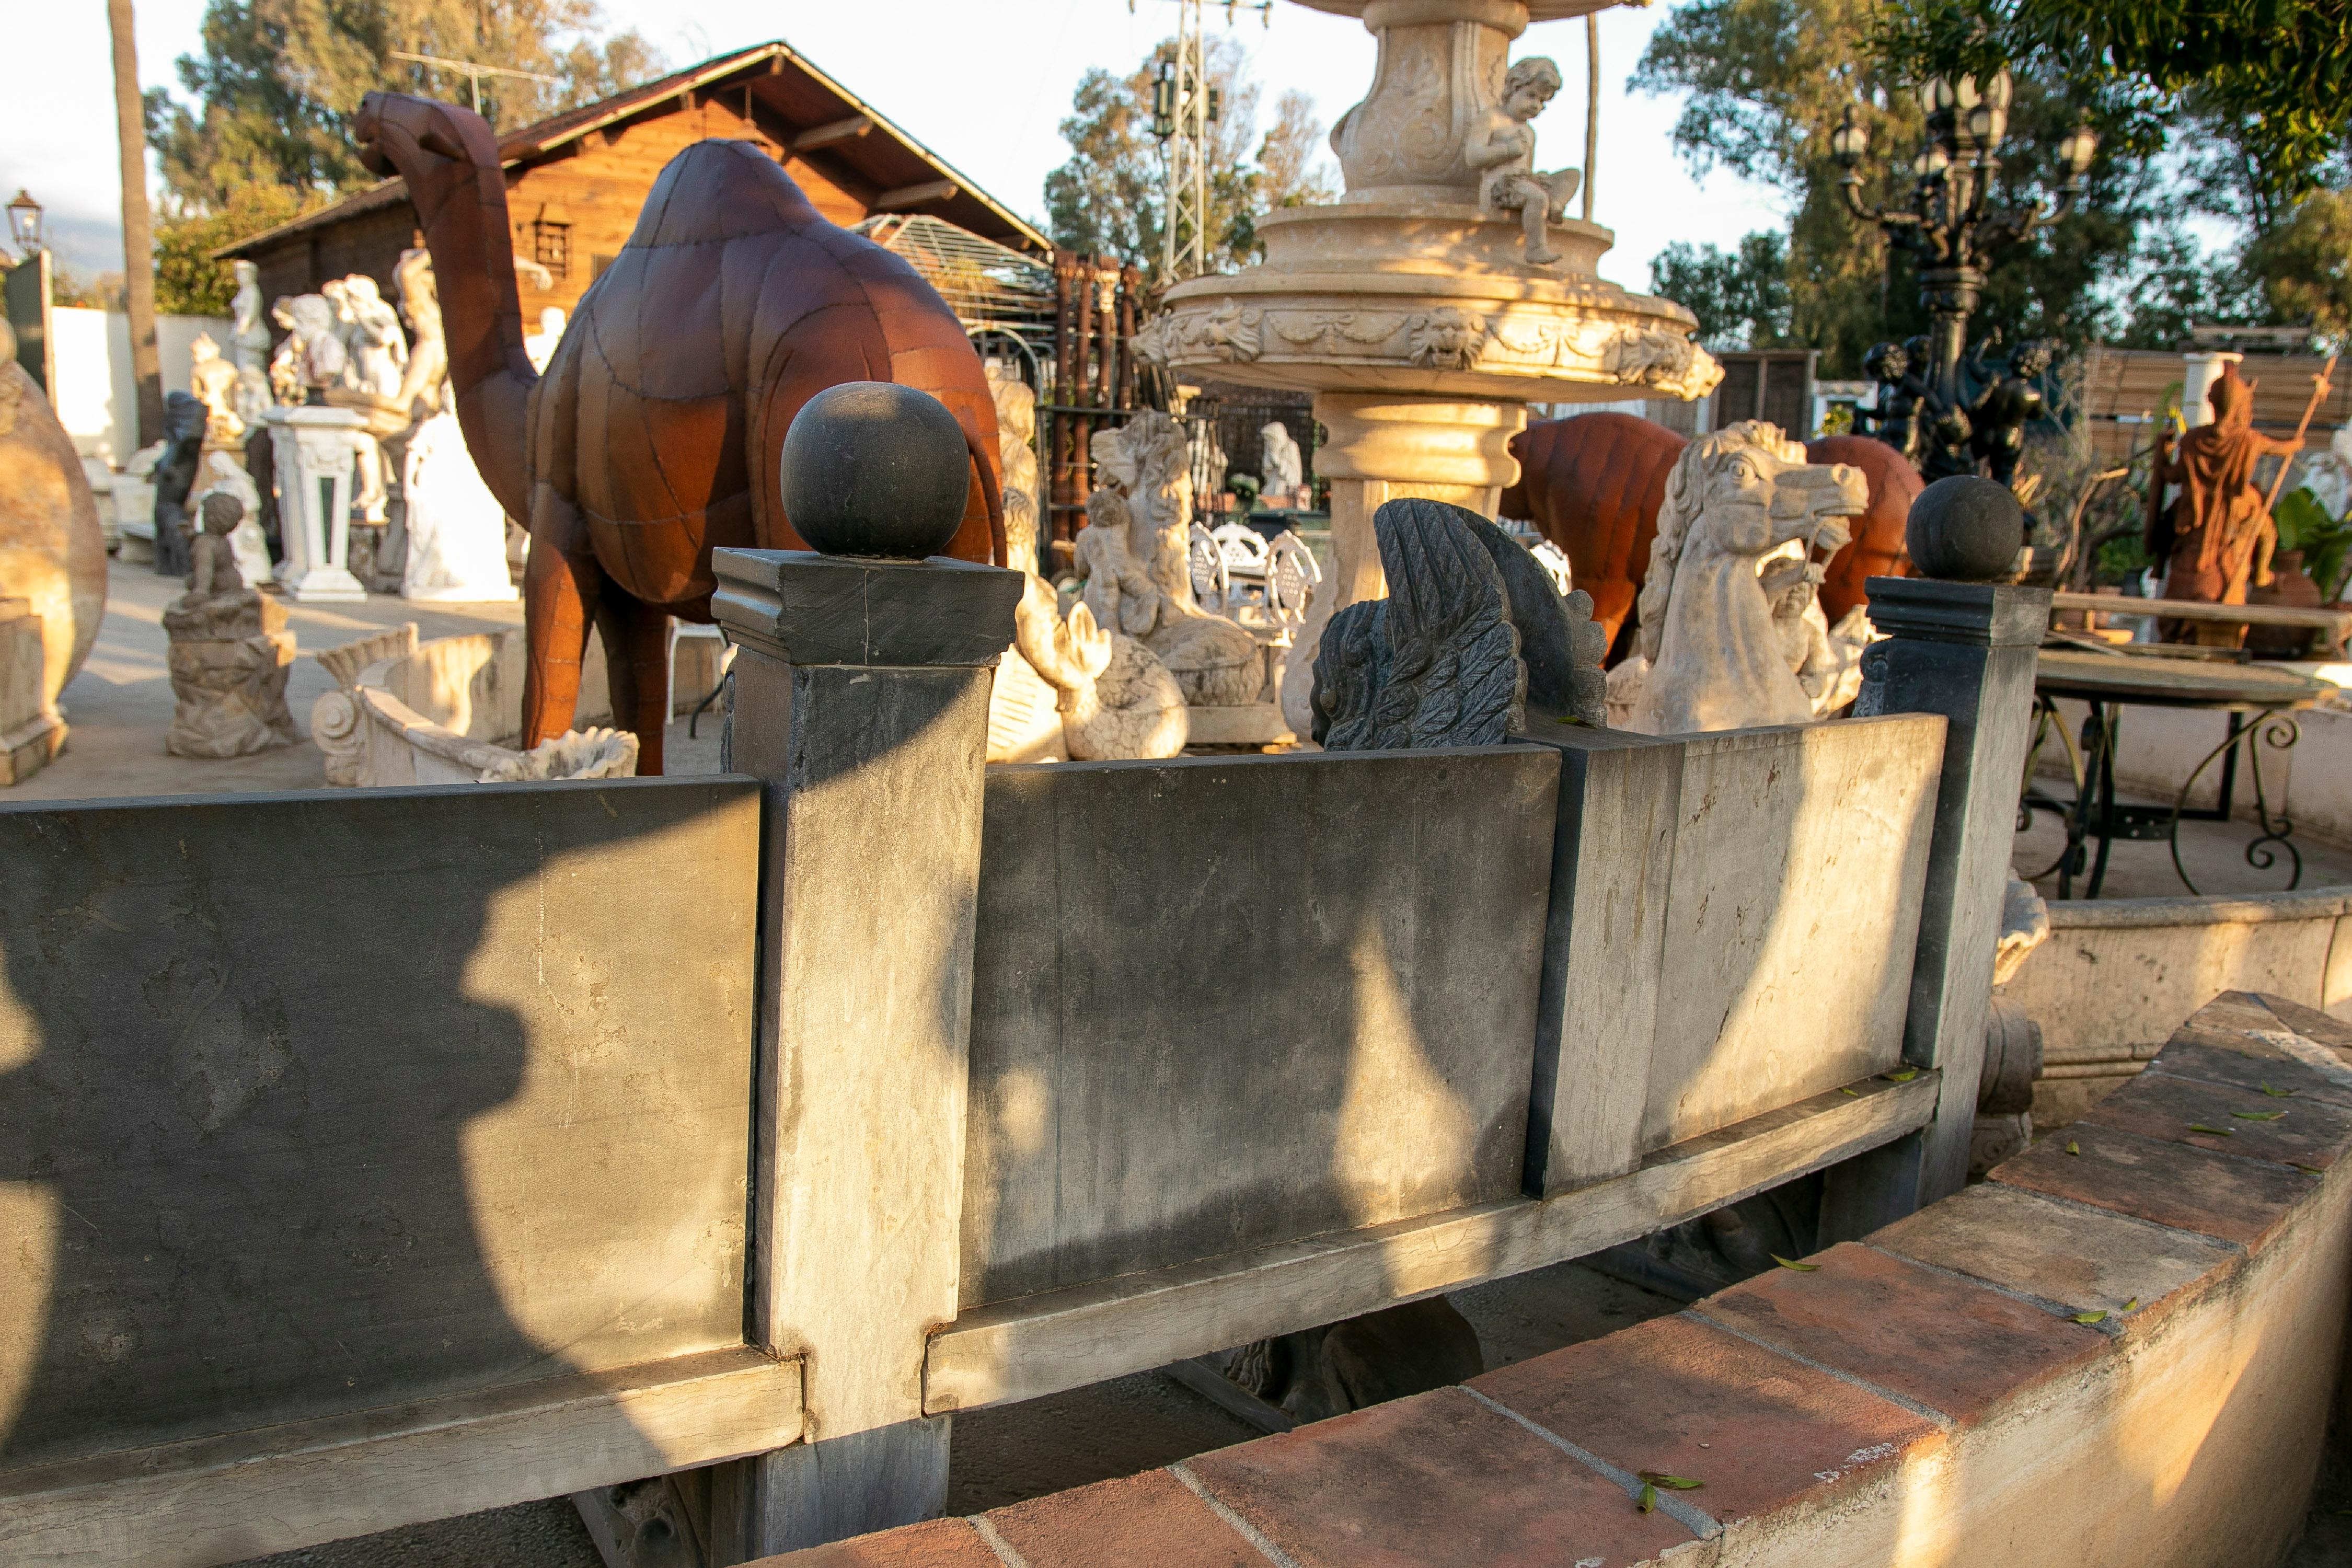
(2122,1348)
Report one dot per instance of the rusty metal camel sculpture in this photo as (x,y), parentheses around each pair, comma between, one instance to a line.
(652,439)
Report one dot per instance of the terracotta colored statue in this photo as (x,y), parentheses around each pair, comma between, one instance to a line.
(652,439)
(1593,484)
(1877,550)
(2209,534)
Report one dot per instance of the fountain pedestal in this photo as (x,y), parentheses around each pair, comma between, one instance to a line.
(1410,310)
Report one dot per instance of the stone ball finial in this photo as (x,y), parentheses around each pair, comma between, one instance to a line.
(1965,529)
(873,468)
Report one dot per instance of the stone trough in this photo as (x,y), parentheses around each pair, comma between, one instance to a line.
(449,710)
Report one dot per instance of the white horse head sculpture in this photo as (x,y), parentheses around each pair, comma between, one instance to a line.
(1716,654)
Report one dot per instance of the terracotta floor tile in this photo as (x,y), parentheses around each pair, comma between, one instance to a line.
(941,1543)
(2164,1106)
(2078,1258)
(1685,1397)
(2156,1179)
(2250,1068)
(1152,1517)
(1436,1479)
(1955,1346)
(2309,1022)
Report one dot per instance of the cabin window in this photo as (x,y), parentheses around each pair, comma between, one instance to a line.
(551,246)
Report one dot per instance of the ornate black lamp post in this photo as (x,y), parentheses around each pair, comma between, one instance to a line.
(1946,225)
(25,223)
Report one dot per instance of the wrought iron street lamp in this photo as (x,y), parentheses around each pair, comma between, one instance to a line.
(25,223)
(1947,225)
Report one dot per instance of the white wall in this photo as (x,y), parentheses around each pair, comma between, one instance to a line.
(96,397)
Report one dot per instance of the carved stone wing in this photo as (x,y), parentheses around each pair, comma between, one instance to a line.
(1559,643)
(1435,664)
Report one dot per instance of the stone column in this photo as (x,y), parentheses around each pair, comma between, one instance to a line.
(1966,650)
(314,452)
(860,695)
(1441,65)
(1382,447)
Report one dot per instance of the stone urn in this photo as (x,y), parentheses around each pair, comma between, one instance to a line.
(1411,309)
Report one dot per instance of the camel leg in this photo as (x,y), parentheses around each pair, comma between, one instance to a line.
(560,591)
(636,656)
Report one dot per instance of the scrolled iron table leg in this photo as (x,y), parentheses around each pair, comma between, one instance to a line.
(2280,731)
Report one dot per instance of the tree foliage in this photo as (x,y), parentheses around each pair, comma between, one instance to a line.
(1108,197)
(279,81)
(188,281)
(1767,81)
(2278,72)
(1741,298)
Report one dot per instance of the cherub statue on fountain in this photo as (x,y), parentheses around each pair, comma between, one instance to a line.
(1502,146)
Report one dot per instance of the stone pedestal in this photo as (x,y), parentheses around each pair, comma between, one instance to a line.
(31,732)
(230,655)
(861,692)
(316,450)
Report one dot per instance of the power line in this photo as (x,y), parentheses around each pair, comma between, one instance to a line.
(474,73)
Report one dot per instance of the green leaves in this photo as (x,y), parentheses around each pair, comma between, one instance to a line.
(1900,1075)
(2258,1115)
(1678,1483)
(2074,1147)
(1850,1093)
(2308,1170)
(2096,1315)
(2213,1131)
(1649,1501)
(2278,1093)
(1800,1268)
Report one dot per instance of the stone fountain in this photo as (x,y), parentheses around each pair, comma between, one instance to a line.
(1427,306)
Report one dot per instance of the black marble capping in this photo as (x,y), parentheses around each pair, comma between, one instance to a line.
(1986,615)
(808,609)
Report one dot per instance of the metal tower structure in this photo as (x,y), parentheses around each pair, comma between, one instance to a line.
(1184,105)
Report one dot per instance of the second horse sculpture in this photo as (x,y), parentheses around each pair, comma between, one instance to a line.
(653,436)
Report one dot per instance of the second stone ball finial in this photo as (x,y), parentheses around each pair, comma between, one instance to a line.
(1965,529)
(873,468)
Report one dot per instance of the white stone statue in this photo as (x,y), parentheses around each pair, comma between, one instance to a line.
(213,380)
(378,354)
(540,345)
(1502,147)
(313,358)
(1134,554)
(424,383)
(1284,471)
(249,343)
(1717,657)
(1067,688)
(223,474)
(456,529)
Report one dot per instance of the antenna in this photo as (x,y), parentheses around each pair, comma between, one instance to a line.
(474,73)
(1183,106)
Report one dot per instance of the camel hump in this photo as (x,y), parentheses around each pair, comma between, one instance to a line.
(718,191)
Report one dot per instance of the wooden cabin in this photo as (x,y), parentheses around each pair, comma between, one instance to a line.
(576,182)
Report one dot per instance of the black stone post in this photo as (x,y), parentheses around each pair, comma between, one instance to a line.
(860,698)
(1966,650)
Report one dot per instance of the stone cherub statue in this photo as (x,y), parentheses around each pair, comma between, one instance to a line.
(1134,556)
(1722,648)
(1502,147)
(249,343)
(214,380)
(230,651)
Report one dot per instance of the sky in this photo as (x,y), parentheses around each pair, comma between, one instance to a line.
(984,83)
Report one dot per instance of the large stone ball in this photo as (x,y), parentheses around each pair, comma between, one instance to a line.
(1964,529)
(873,468)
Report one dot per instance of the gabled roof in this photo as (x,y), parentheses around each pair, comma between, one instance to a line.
(793,100)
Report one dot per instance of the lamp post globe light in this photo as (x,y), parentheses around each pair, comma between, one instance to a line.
(1947,225)
(25,224)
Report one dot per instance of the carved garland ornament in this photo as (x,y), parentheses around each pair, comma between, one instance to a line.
(1630,353)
